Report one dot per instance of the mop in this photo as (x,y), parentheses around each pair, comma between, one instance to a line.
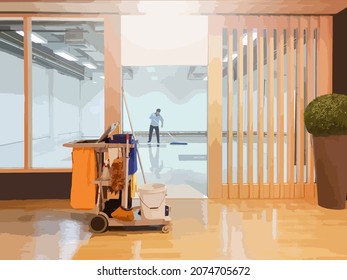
(132,131)
(174,142)
(124,212)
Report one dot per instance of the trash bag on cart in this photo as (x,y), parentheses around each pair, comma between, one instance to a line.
(84,172)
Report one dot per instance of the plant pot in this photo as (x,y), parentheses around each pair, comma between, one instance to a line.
(330,157)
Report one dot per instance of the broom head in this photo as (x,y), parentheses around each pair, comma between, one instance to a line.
(123,214)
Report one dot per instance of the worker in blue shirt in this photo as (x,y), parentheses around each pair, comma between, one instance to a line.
(155,119)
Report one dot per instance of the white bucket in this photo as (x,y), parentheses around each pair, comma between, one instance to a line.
(152,201)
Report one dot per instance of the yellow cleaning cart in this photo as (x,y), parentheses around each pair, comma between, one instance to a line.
(91,190)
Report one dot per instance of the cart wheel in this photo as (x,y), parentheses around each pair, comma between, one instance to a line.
(98,223)
(165,229)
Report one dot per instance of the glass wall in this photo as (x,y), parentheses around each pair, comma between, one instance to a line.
(11,95)
(68,87)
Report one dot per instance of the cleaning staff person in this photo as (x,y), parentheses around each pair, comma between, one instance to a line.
(155,119)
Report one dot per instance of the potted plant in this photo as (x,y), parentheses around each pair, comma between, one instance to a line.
(325,119)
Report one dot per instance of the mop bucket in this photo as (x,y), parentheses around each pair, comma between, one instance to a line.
(152,201)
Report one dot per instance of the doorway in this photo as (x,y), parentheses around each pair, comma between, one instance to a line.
(180,159)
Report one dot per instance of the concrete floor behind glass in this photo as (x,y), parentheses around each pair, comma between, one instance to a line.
(202,229)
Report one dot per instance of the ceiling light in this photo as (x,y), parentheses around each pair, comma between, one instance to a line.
(66,55)
(102,77)
(89,65)
(34,37)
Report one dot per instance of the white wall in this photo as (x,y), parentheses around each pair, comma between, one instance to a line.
(164,40)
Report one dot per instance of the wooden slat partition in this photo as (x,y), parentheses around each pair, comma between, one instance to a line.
(280,106)
(250,22)
(240,104)
(290,107)
(300,101)
(299,91)
(270,104)
(233,188)
(311,81)
(260,124)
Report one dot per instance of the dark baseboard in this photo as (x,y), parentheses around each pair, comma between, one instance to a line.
(35,186)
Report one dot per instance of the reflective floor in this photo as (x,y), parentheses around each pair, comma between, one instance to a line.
(202,229)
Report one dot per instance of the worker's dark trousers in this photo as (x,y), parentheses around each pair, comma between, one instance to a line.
(151,127)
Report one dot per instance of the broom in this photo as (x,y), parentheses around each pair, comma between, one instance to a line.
(124,212)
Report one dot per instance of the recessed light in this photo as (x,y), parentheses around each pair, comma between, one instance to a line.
(66,55)
(34,37)
(89,65)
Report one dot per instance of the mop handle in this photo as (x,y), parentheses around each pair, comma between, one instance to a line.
(132,130)
(125,197)
(127,144)
(166,131)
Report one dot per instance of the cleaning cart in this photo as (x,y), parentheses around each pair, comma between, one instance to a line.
(152,210)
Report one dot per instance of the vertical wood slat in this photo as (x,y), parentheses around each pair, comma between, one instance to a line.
(250,23)
(214,137)
(280,106)
(270,102)
(312,25)
(260,124)
(325,58)
(290,104)
(240,104)
(299,190)
(27,26)
(233,189)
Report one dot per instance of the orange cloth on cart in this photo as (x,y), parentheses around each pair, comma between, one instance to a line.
(84,172)
(117,175)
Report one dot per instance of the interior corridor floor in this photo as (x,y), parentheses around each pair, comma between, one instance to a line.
(203,229)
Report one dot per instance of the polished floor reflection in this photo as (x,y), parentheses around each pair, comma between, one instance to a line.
(202,229)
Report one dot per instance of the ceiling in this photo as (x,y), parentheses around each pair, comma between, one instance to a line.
(222,7)
(83,40)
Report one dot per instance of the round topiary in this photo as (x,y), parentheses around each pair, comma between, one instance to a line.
(327,115)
